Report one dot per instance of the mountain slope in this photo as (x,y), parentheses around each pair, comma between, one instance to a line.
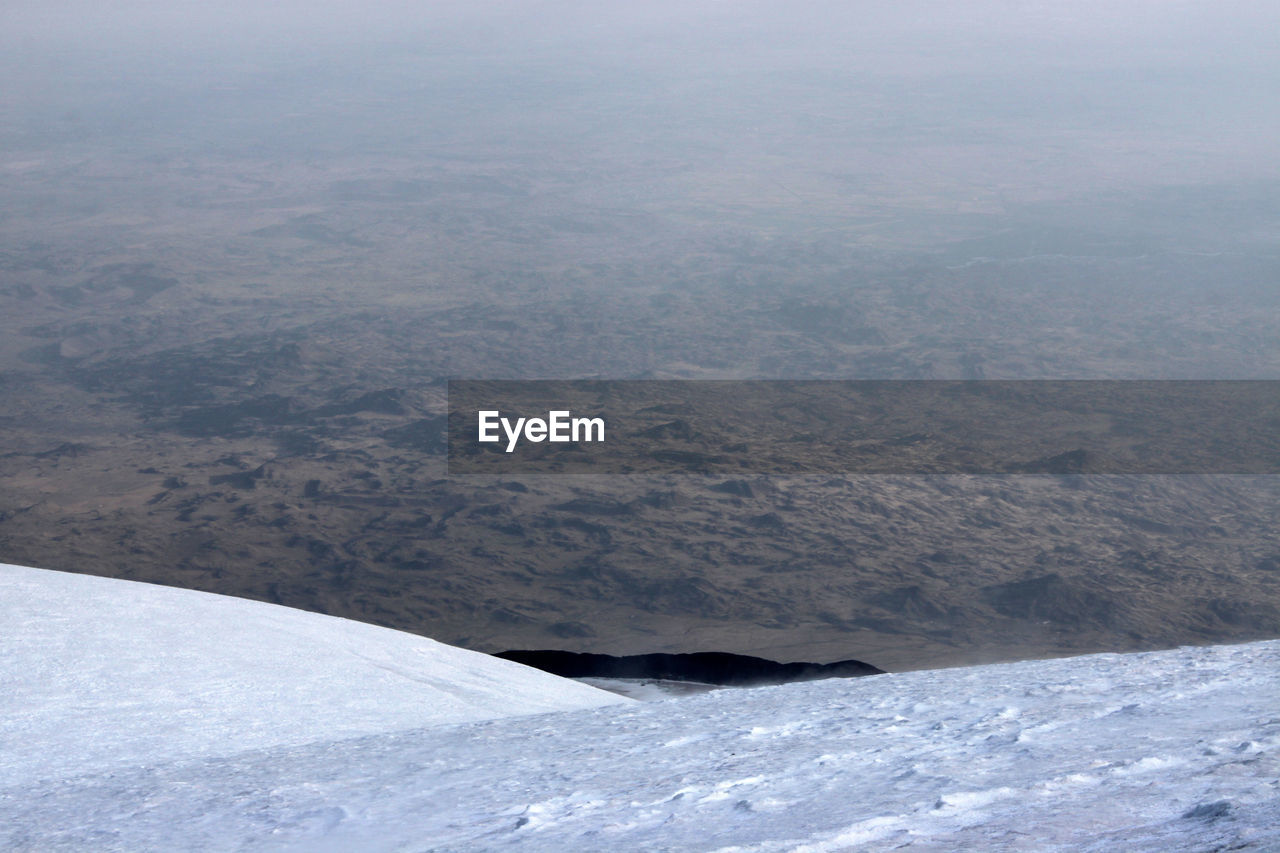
(1159,751)
(99,673)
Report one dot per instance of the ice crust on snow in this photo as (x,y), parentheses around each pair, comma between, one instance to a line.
(98,673)
(1159,751)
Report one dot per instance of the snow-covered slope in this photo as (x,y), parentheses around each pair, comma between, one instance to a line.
(1162,751)
(98,673)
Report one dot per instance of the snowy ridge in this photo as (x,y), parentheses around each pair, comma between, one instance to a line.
(1160,751)
(98,673)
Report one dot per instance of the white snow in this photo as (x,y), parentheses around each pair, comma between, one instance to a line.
(1160,751)
(98,673)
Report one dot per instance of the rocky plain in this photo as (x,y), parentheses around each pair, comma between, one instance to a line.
(232,294)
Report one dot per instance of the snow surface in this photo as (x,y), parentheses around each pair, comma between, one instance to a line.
(649,689)
(1175,750)
(98,673)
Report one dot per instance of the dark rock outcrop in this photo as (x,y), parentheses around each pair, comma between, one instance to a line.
(720,668)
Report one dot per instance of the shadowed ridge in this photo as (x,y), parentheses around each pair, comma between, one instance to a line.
(720,668)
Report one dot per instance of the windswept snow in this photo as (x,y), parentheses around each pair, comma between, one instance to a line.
(1161,751)
(98,673)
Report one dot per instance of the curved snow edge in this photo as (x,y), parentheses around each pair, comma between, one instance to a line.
(99,672)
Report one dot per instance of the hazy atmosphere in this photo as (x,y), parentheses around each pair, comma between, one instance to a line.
(243,249)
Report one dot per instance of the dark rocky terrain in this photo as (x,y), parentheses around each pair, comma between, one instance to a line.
(288,446)
(718,668)
(232,291)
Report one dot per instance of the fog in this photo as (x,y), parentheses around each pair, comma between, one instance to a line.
(920,105)
(955,132)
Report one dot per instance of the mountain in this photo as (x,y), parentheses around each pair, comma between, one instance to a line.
(100,674)
(142,718)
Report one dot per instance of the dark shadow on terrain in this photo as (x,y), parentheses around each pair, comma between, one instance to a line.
(720,668)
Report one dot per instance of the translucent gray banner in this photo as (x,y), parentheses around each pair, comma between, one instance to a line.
(864,427)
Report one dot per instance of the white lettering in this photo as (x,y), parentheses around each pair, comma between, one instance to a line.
(590,425)
(488,423)
(560,427)
(512,434)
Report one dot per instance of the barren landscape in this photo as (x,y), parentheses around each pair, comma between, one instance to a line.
(231,296)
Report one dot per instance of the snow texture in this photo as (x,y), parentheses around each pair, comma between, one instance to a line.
(98,673)
(1160,751)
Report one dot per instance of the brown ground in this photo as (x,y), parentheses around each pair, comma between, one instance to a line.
(249,405)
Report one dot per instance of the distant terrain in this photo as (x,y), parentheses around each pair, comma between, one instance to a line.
(707,668)
(234,285)
(180,421)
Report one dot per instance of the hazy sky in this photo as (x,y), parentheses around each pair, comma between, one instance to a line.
(718,112)
(1180,80)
